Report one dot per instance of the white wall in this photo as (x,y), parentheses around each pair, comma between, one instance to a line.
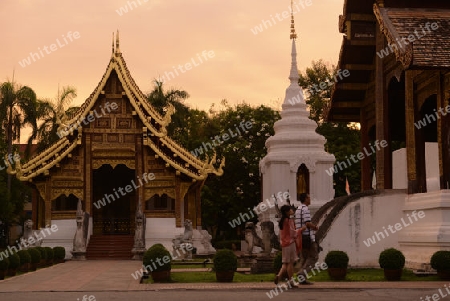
(358,222)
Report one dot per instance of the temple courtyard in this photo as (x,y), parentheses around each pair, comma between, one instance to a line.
(108,279)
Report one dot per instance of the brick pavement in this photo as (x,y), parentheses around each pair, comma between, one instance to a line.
(103,275)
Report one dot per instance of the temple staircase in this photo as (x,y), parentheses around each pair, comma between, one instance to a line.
(105,247)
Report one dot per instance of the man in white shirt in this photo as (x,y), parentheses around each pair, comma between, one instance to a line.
(310,249)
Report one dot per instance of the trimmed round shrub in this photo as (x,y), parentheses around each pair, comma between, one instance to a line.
(337,259)
(35,255)
(49,253)
(24,256)
(42,251)
(225,260)
(14,261)
(4,264)
(59,253)
(158,245)
(440,261)
(391,259)
(158,259)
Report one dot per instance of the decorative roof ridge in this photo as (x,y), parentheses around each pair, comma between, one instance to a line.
(135,88)
(32,170)
(403,54)
(176,165)
(43,153)
(183,152)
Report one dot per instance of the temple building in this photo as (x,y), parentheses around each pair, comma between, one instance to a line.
(114,155)
(398,56)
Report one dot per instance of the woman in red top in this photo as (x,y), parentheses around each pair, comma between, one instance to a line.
(287,240)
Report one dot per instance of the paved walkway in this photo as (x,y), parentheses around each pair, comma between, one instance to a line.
(99,275)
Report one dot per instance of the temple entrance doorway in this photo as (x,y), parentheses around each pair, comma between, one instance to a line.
(113,205)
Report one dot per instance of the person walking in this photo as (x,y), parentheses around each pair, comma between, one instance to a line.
(310,249)
(288,235)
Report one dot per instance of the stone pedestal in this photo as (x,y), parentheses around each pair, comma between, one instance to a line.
(138,253)
(78,255)
(262,264)
(428,232)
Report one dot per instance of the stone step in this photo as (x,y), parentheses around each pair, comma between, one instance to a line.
(110,247)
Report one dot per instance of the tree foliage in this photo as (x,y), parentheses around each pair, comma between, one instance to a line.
(343,139)
(239,188)
(49,113)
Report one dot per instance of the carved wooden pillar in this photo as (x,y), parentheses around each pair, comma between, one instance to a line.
(198,204)
(366,173)
(444,130)
(139,171)
(412,139)
(35,208)
(383,156)
(178,202)
(48,203)
(88,173)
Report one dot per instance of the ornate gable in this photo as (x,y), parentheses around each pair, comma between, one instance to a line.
(112,114)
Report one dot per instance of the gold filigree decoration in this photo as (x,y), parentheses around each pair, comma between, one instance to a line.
(56,192)
(97,163)
(208,167)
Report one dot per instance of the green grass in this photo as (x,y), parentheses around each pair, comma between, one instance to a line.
(202,277)
(190,266)
(353,275)
(372,275)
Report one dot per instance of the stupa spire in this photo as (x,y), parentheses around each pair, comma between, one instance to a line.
(293,76)
(293,34)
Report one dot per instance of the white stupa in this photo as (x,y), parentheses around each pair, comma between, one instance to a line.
(296,160)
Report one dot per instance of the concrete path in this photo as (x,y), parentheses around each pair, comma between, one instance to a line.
(104,276)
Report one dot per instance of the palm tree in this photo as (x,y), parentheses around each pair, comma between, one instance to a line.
(51,113)
(17,109)
(160,99)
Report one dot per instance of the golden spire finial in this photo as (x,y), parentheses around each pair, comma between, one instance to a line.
(117,42)
(293,34)
(112,42)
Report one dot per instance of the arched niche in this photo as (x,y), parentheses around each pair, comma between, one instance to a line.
(302,180)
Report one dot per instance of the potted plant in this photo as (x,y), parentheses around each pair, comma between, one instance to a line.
(392,261)
(50,255)
(225,264)
(25,260)
(4,264)
(158,262)
(14,264)
(35,258)
(59,253)
(337,262)
(440,261)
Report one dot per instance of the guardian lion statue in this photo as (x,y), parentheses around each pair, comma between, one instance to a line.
(251,237)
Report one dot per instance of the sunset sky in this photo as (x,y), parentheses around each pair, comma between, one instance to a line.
(157,35)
